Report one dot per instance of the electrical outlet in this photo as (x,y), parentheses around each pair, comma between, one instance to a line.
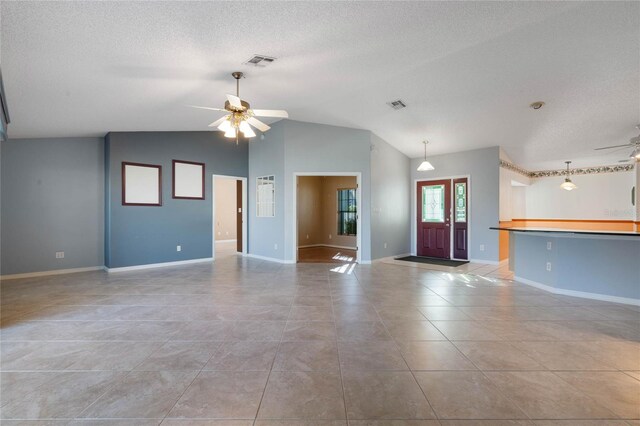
(307,236)
(329,236)
(481,247)
(548,245)
(275,246)
(59,255)
(385,245)
(178,248)
(549,266)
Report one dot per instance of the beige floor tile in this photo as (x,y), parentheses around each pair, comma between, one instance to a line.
(307,356)
(634,374)
(141,394)
(311,313)
(179,356)
(299,422)
(196,422)
(614,390)
(15,386)
(302,395)
(239,356)
(361,330)
(488,355)
(222,394)
(375,355)
(561,356)
(384,395)
(601,422)
(543,395)
(64,396)
(486,423)
(466,395)
(309,330)
(443,313)
(436,355)
(413,330)
(400,314)
(465,330)
(394,423)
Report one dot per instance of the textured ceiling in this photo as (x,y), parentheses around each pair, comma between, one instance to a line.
(466,70)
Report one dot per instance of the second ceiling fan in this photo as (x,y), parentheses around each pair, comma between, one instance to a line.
(240,116)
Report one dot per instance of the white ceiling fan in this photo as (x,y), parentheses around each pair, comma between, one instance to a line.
(634,143)
(240,116)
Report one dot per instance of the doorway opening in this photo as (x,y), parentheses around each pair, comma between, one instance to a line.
(327,225)
(229,216)
(442,218)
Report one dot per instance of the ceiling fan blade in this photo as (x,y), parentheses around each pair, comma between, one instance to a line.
(613,146)
(270,113)
(234,101)
(218,121)
(208,108)
(258,124)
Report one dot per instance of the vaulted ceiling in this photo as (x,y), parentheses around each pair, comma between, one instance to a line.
(466,70)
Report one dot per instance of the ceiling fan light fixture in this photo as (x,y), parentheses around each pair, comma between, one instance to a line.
(425,166)
(568,185)
(231,133)
(636,153)
(246,130)
(224,126)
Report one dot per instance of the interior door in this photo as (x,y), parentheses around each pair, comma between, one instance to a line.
(460,218)
(239,216)
(434,223)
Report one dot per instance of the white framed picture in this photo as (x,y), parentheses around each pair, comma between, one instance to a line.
(188,180)
(141,184)
(266,196)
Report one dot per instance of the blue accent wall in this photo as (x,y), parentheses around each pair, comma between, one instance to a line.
(52,200)
(143,235)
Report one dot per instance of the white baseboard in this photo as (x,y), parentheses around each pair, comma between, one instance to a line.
(486,262)
(576,293)
(52,272)
(227,241)
(158,265)
(269,259)
(328,245)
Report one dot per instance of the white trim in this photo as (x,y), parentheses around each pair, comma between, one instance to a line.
(388,258)
(234,240)
(484,261)
(269,259)
(51,272)
(159,265)
(328,245)
(244,212)
(414,218)
(576,293)
(294,242)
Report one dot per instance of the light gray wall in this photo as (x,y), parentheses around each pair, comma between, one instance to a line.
(52,200)
(144,235)
(266,158)
(601,265)
(298,147)
(390,200)
(482,166)
(311,147)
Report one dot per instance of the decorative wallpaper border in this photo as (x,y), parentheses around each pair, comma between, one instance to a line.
(579,171)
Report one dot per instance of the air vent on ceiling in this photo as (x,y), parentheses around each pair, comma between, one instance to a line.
(398,104)
(260,60)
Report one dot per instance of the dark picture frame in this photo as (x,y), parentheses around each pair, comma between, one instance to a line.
(179,193)
(135,200)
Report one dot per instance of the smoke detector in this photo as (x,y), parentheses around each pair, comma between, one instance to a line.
(537,105)
(260,60)
(397,104)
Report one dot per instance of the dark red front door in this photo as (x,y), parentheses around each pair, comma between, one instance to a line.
(434,224)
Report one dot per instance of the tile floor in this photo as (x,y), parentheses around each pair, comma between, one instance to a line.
(245,342)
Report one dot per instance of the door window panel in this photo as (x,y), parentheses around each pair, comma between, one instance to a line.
(433,203)
(461,202)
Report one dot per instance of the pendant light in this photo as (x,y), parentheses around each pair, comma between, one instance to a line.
(567,184)
(425,165)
